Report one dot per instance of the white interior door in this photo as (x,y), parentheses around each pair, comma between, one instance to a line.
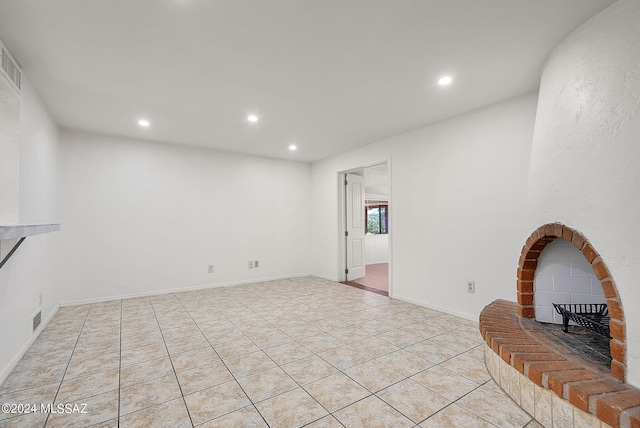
(355,226)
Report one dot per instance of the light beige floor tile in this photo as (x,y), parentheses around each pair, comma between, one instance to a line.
(247,417)
(139,340)
(25,380)
(413,400)
(328,324)
(287,353)
(309,369)
(187,343)
(375,347)
(431,352)
(455,416)
(177,332)
(235,348)
(291,409)
(142,395)
(271,339)
(336,391)
(453,341)
(99,408)
(144,353)
(445,383)
(74,389)
(349,334)
(401,338)
(326,422)
(405,362)
(145,371)
(248,364)
(37,395)
(95,350)
(372,413)
(203,377)
(374,375)
(37,362)
(344,357)
(375,327)
(495,407)
(266,384)
(192,359)
(321,342)
(171,414)
(214,402)
(28,420)
(468,367)
(222,335)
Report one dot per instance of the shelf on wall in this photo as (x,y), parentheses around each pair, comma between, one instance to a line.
(22,231)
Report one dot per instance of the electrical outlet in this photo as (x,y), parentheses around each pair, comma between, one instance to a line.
(250,264)
(210,268)
(471,286)
(256,263)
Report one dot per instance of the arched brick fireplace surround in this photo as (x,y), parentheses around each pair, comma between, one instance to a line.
(528,263)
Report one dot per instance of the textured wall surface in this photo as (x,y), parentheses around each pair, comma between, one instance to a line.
(586,150)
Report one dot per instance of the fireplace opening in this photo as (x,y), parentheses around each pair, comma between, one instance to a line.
(559,265)
(565,278)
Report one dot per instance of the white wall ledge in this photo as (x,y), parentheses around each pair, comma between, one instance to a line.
(11,231)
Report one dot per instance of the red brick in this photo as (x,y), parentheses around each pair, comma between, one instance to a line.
(548,230)
(609,288)
(525,286)
(529,264)
(526,275)
(618,370)
(537,371)
(578,240)
(600,269)
(617,329)
(557,380)
(526,312)
(567,233)
(609,408)
(615,309)
(557,229)
(509,349)
(520,361)
(617,349)
(525,299)
(579,394)
(589,253)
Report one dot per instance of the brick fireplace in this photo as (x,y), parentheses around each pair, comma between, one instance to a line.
(556,386)
(528,263)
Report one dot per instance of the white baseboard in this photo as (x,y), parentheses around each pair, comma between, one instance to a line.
(178,290)
(462,315)
(16,359)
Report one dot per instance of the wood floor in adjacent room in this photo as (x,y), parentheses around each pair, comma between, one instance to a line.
(287,353)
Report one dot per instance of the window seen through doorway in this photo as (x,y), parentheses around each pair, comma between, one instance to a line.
(376,218)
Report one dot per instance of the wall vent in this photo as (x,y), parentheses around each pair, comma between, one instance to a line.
(37,319)
(11,69)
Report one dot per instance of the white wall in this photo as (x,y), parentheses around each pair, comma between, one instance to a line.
(142,217)
(458,198)
(34,268)
(563,275)
(376,248)
(586,150)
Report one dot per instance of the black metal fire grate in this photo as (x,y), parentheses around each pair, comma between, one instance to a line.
(589,315)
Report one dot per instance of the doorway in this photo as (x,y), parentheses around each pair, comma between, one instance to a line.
(367,227)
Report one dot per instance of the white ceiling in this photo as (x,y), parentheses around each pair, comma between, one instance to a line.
(327,75)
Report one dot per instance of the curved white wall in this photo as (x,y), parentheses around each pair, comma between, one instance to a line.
(586,150)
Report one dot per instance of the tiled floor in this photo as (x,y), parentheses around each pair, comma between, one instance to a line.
(288,353)
(376,276)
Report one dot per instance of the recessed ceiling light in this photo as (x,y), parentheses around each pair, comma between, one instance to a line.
(293,147)
(252,118)
(144,123)
(445,80)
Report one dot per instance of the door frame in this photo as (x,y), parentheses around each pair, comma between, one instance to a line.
(342,220)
